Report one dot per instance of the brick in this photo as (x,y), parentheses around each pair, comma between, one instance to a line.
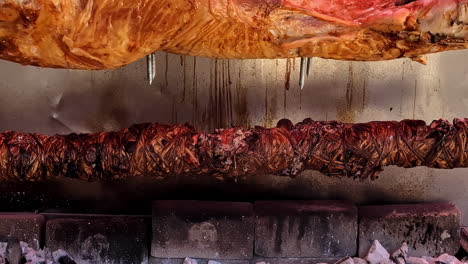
(428,229)
(10,250)
(199,261)
(312,229)
(208,230)
(295,260)
(26,227)
(100,239)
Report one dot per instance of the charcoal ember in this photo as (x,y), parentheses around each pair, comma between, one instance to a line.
(415,260)
(400,256)
(163,151)
(62,257)
(464,238)
(359,261)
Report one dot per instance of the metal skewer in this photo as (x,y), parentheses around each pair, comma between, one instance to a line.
(309,64)
(151,67)
(303,72)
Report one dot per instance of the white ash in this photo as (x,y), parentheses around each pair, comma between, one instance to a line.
(57,255)
(377,254)
(400,256)
(3,249)
(430,260)
(447,259)
(190,261)
(32,256)
(347,260)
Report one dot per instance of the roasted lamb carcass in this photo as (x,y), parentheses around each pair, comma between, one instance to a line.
(163,151)
(88,34)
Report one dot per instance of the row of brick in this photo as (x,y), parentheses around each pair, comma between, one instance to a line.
(301,231)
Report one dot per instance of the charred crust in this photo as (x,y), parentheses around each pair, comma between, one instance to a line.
(285,123)
(7,46)
(268,6)
(29,17)
(13,13)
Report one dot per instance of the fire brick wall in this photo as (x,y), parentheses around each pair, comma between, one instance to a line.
(217,93)
(286,232)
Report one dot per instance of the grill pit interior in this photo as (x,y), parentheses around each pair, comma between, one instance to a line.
(222,182)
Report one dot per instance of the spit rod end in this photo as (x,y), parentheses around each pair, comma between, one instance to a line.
(151,68)
(309,64)
(302,72)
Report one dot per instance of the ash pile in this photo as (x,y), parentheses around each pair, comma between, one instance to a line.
(379,255)
(13,251)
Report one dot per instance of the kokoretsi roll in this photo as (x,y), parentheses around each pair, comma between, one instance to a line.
(159,151)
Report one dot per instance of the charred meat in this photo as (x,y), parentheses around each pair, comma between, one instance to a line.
(160,151)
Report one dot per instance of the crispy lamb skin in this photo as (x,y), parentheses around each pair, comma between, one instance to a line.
(160,151)
(89,34)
